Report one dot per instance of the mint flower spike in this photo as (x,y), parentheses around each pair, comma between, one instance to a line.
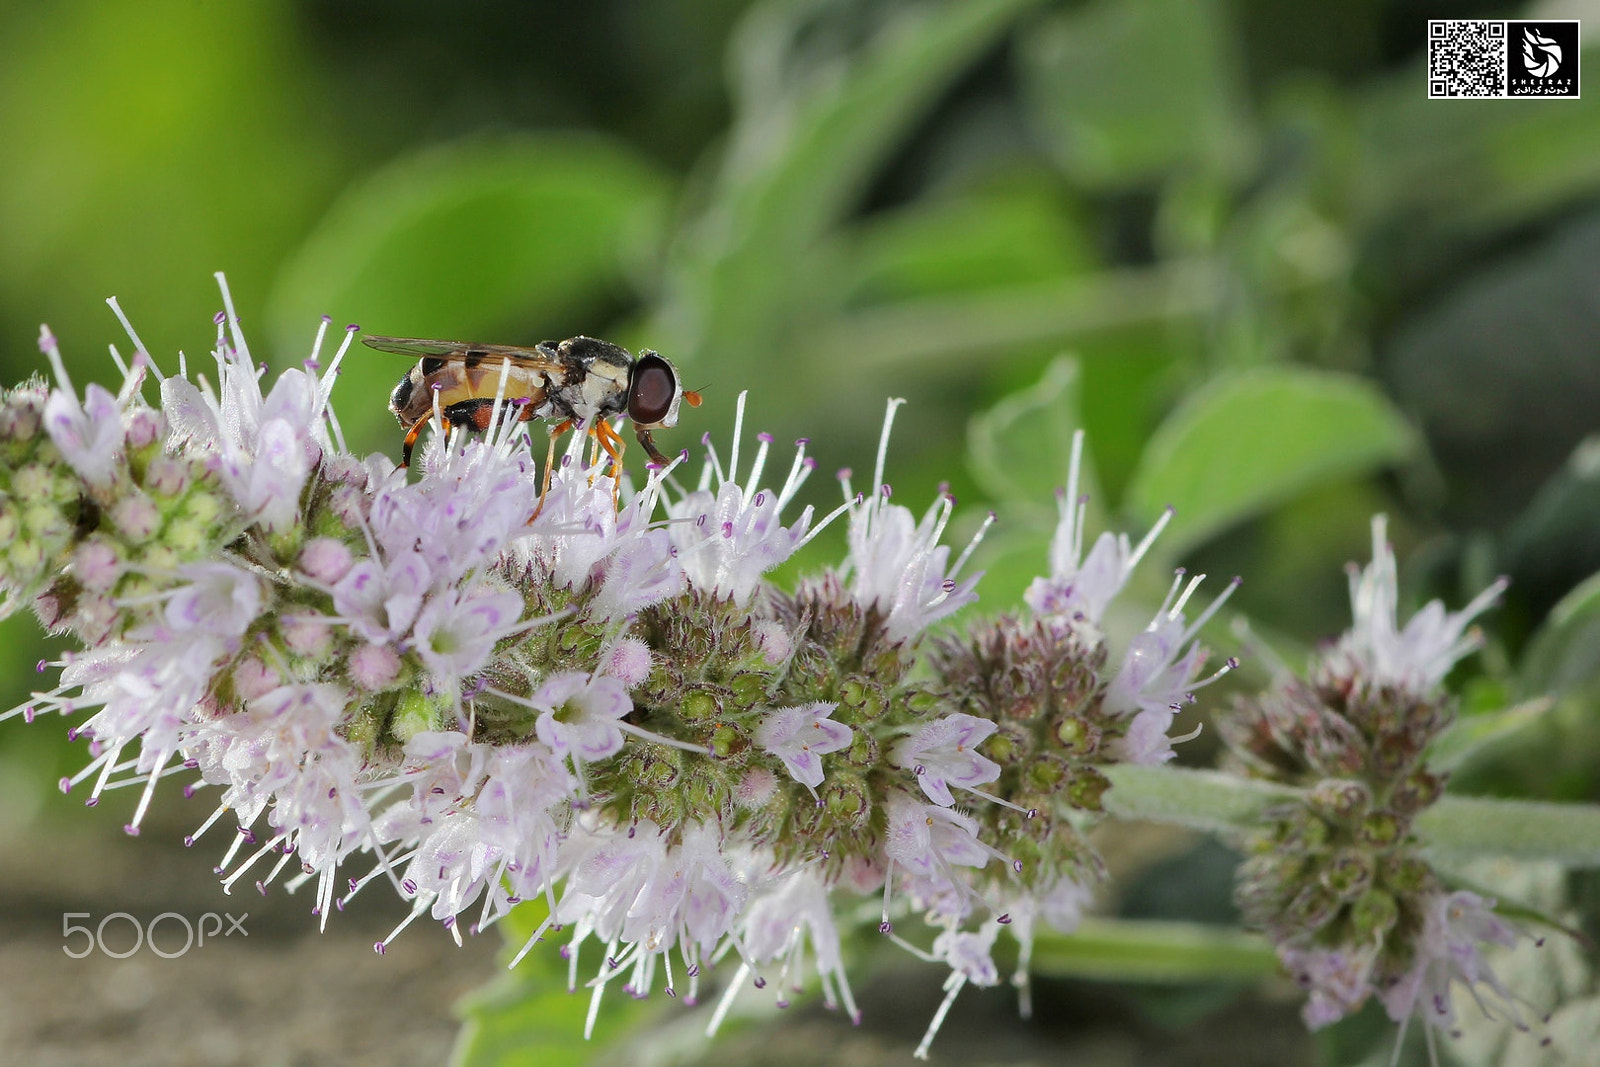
(896,564)
(1418,656)
(1338,880)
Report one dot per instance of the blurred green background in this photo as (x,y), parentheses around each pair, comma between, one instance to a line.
(1280,287)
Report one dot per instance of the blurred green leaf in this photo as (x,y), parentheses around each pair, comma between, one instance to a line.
(750,270)
(1126,90)
(1021,449)
(1011,235)
(1564,656)
(1251,440)
(1467,168)
(150,143)
(489,237)
(1147,951)
(956,327)
(1471,735)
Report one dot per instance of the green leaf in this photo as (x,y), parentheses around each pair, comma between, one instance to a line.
(1126,90)
(1222,803)
(485,237)
(750,272)
(955,327)
(1519,829)
(1471,735)
(1251,440)
(1123,950)
(1204,800)
(1021,448)
(1564,655)
(1016,234)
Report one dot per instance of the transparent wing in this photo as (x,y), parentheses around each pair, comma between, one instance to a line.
(534,357)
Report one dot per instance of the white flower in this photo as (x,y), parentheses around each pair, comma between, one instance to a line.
(265,447)
(800,736)
(1079,589)
(777,925)
(945,753)
(455,634)
(580,712)
(968,955)
(896,563)
(1417,657)
(1159,673)
(729,536)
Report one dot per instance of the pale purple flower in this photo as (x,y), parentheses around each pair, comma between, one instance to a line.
(968,955)
(800,736)
(1337,981)
(1078,589)
(89,436)
(1457,927)
(729,535)
(929,842)
(380,601)
(628,659)
(944,753)
(896,564)
(265,447)
(455,633)
(220,599)
(1159,672)
(1417,657)
(579,714)
(778,924)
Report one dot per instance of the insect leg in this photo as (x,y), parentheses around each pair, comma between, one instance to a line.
(614,445)
(549,465)
(411,440)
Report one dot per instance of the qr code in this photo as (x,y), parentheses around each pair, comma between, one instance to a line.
(1467,58)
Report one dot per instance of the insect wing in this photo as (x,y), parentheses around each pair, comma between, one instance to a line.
(535,357)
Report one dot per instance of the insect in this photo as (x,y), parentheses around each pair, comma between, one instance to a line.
(581,381)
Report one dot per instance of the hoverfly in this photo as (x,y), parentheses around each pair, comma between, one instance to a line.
(580,382)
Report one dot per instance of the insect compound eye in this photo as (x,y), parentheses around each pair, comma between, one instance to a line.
(652,390)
